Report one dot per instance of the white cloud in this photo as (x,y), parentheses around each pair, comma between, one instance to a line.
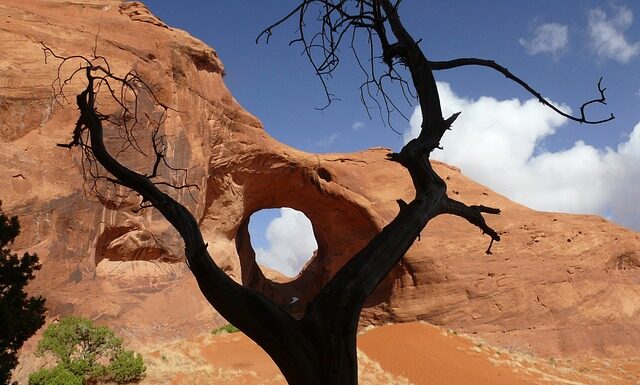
(498,143)
(607,34)
(626,176)
(291,243)
(358,125)
(328,140)
(551,38)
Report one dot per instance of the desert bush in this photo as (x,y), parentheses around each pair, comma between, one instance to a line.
(127,366)
(81,348)
(55,376)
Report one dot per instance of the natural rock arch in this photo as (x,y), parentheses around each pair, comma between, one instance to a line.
(292,226)
(341,226)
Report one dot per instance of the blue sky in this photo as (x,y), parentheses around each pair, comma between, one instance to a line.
(560,48)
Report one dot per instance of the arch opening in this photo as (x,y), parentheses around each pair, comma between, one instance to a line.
(283,241)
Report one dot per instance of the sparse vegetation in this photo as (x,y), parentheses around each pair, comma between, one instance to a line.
(126,367)
(55,376)
(81,348)
(226,329)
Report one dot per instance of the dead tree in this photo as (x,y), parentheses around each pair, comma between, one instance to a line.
(320,347)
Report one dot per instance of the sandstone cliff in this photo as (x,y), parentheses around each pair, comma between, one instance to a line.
(557,283)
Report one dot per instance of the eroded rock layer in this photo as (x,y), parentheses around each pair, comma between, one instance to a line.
(556,284)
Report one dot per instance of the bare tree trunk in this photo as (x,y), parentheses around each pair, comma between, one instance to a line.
(320,348)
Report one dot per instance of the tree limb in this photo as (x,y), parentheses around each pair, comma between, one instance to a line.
(282,336)
(462,62)
(473,215)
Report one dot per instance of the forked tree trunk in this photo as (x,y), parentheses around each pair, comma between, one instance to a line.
(320,348)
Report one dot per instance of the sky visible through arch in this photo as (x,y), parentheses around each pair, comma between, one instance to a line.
(503,139)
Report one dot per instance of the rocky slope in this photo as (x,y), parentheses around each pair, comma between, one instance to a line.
(556,284)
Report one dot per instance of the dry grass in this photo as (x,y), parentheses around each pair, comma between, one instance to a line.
(370,373)
(182,362)
(561,371)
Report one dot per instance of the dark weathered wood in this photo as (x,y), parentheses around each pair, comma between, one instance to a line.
(276,331)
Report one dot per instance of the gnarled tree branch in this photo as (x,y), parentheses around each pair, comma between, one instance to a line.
(462,62)
(282,336)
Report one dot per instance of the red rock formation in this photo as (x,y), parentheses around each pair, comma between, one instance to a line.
(556,284)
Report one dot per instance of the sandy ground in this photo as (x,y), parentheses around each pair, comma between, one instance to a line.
(428,355)
(413,353)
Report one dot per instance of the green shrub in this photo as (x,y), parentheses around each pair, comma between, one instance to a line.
(228,328)
(20,315)
(80,348)
(55,376)
(84,368)
(78,339)
(126,366)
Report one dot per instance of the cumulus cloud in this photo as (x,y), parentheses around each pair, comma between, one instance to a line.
(499,143)
(607,34)
(291,243)
(626,186)
(551,38)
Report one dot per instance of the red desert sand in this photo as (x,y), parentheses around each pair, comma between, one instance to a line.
(412,353)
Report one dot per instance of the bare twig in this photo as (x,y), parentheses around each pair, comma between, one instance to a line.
(444,65)
(333,21)
(125,92)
